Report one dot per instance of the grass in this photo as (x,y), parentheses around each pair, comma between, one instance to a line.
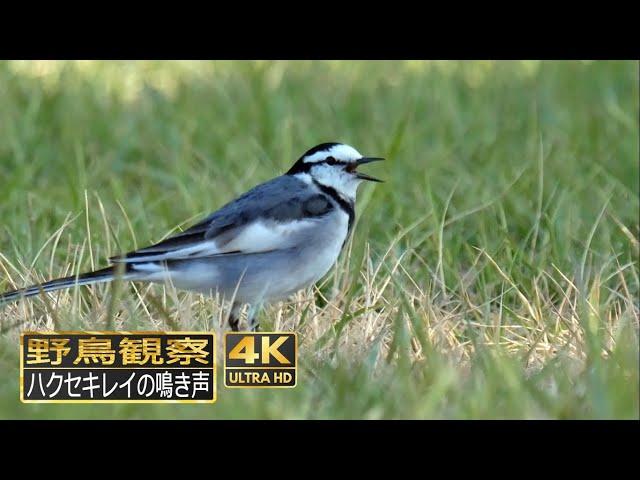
(494,275)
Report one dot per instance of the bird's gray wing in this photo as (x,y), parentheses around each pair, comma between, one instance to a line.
(265,218)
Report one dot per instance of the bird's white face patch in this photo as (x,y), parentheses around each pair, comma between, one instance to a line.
(334,176)
(337,178)
(345,153)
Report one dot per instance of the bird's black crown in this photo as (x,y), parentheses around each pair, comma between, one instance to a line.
(300,166)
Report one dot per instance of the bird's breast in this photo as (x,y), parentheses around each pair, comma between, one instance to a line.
(320,252)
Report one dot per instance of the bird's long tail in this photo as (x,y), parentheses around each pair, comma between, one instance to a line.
(99,276)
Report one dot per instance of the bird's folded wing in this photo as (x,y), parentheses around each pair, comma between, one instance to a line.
(241,228)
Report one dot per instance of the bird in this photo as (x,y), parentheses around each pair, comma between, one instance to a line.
(279,237)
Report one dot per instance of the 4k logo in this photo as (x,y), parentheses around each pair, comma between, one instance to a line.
(262,360)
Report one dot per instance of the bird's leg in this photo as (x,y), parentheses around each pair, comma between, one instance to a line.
(252,321)
(234,316)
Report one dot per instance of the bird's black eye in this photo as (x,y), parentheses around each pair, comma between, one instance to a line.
(330,160)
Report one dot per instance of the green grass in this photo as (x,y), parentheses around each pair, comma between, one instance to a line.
(494,275)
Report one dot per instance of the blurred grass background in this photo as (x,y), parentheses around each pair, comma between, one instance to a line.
(507,229)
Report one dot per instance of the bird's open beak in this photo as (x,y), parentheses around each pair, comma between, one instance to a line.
(364,176)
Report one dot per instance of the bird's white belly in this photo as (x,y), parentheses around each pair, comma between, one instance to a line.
(314,260)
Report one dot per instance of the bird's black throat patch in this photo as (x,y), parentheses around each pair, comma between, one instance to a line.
(346,205)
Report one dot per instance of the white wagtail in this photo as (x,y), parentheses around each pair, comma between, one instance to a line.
(279,237)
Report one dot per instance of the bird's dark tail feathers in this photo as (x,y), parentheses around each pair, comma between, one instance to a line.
(99,276)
